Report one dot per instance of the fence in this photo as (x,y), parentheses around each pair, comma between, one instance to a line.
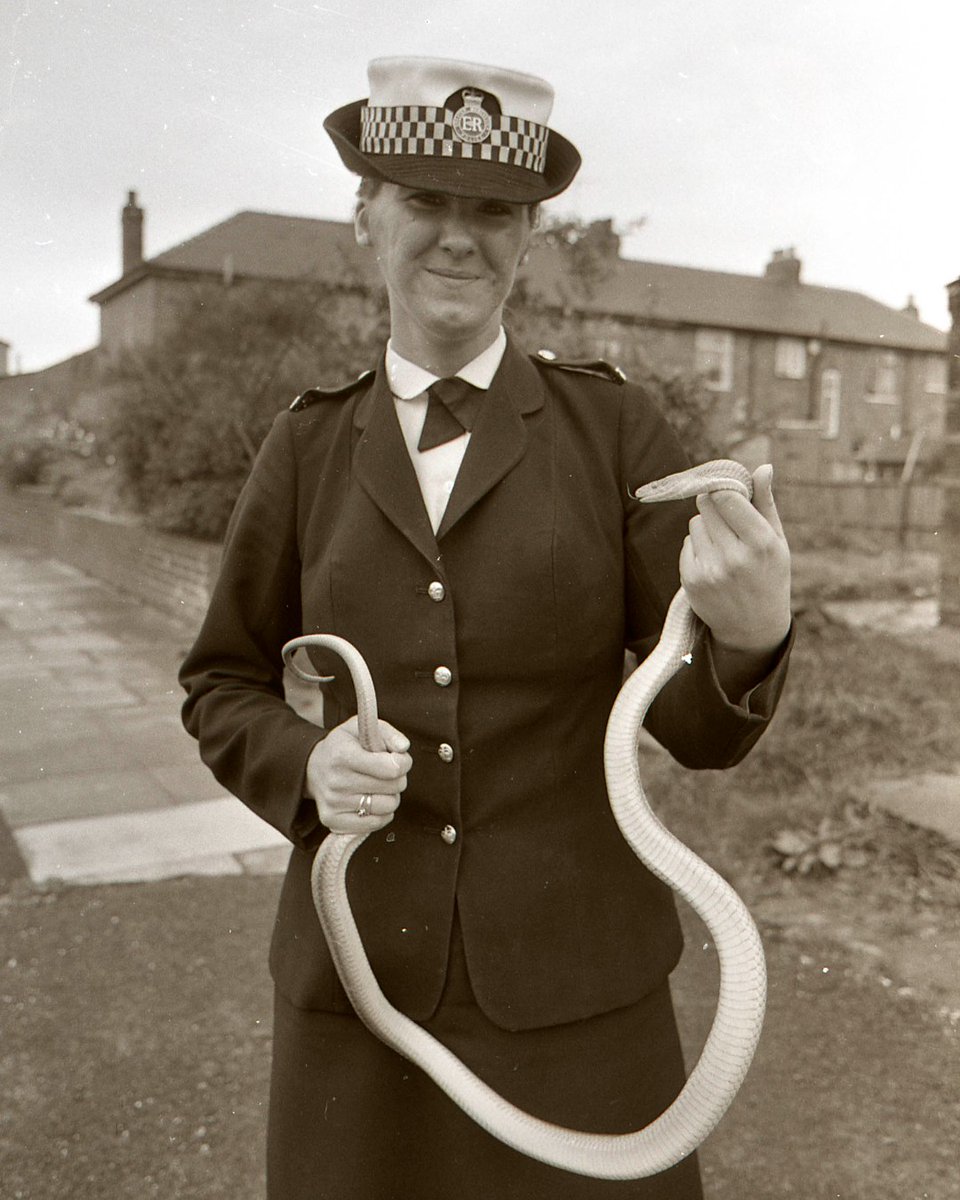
(908,515)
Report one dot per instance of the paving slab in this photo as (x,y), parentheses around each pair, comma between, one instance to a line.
(99,782)
(87,794)
(931,801)
(188,839)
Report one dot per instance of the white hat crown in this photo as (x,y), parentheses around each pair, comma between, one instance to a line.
(410,81)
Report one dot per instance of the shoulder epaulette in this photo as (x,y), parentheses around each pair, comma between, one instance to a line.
(312,395)
(597,367)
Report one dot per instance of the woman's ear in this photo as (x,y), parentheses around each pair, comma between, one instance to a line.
(361,226)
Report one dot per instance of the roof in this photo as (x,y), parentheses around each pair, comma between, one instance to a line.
(661,293)
(274,246)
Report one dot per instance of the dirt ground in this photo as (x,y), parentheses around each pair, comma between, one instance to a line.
(137,1036)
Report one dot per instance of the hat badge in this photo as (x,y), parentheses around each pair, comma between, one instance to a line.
(472,123)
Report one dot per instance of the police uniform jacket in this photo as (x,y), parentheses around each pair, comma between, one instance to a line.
(497,647)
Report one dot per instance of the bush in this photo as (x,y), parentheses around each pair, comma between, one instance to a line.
(45,454)
(192,411)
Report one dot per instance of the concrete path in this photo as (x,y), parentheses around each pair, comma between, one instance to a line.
(98,780)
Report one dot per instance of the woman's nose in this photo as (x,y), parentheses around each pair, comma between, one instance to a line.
(456,235)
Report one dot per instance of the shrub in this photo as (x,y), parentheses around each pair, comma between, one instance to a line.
(191,412)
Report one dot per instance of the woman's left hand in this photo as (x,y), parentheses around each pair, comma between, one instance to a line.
(735,569)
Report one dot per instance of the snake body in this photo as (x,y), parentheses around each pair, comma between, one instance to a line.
(729,1048)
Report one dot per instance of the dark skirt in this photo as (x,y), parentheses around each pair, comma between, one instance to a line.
(352,1120)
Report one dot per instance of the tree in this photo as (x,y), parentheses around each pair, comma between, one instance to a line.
(551,306)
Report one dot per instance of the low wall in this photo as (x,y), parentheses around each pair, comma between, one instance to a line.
(173,574)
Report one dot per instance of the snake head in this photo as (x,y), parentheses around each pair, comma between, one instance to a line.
(722,474)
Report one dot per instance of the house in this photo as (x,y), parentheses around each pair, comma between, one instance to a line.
(833,385)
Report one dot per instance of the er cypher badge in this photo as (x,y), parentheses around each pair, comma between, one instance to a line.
(472,123)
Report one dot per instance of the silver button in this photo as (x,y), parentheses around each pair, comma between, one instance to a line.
(443,677)
(449,834)
(445,751)
(436,591)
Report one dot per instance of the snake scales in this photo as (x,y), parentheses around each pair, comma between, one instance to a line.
(729,1048)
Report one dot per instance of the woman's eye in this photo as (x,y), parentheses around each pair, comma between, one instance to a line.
(426,199)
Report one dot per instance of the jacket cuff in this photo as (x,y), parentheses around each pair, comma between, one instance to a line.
(761,699)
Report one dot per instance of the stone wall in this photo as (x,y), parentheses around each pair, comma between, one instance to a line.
(173,574)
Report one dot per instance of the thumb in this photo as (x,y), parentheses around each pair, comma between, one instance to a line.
(763,500)
(393,739)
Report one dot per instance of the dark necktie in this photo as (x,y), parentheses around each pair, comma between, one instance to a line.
(452,406)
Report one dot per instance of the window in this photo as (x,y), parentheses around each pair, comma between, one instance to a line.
(936,375)
(713,350)
(885,386)
(830,402)
(791,358)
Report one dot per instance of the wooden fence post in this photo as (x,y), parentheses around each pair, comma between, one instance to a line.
(950,554)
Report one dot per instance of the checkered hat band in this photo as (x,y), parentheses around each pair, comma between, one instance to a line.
(426,131)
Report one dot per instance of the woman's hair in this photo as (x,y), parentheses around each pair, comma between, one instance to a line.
(370,185)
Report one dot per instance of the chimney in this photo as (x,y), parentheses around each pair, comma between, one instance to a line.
(910,308)
(784,266)
(4,359)
(132,225)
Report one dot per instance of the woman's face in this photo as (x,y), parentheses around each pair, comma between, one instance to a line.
(448,263)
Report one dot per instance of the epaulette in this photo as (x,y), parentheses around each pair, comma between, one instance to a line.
(597,367)
(312,395)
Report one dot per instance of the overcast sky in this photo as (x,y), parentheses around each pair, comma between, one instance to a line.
(732,127)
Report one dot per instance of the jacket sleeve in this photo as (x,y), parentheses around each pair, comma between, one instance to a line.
(692,717)
(252,741)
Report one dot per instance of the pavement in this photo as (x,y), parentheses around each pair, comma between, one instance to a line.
(99,782)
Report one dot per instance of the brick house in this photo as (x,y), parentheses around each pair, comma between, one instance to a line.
(829,384)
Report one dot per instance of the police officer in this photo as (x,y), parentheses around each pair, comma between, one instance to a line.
(461,515)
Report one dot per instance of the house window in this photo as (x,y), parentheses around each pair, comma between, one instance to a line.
(830,402)
(713,350)
(885,385)
(936,375)
(791,358)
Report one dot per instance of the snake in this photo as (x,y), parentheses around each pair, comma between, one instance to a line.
(730,1045)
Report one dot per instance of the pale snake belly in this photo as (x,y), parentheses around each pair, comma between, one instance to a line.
(730,1045)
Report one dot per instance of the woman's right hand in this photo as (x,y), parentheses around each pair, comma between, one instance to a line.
(340,772)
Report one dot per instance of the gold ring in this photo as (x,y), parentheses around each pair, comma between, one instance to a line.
(366,804)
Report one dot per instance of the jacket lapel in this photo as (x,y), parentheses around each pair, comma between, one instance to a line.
(499,438)
(383,467)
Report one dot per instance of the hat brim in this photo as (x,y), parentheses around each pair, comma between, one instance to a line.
(472,178)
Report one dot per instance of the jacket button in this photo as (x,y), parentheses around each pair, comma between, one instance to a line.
(443,677)
(449,834)
(436,591)
(445,751)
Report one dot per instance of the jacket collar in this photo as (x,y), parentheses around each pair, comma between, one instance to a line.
(497,444)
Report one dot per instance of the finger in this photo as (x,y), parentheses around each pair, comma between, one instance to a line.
(370,808)
(393,739)
(352,822)
(740,516)
(763,497)
(716,527)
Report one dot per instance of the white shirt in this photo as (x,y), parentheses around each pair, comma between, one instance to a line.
(436,469)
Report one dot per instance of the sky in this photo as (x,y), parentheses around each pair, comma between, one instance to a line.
(729,128)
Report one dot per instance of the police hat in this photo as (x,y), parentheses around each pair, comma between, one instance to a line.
(455,127)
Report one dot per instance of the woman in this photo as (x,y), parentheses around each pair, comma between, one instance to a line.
(487,562)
